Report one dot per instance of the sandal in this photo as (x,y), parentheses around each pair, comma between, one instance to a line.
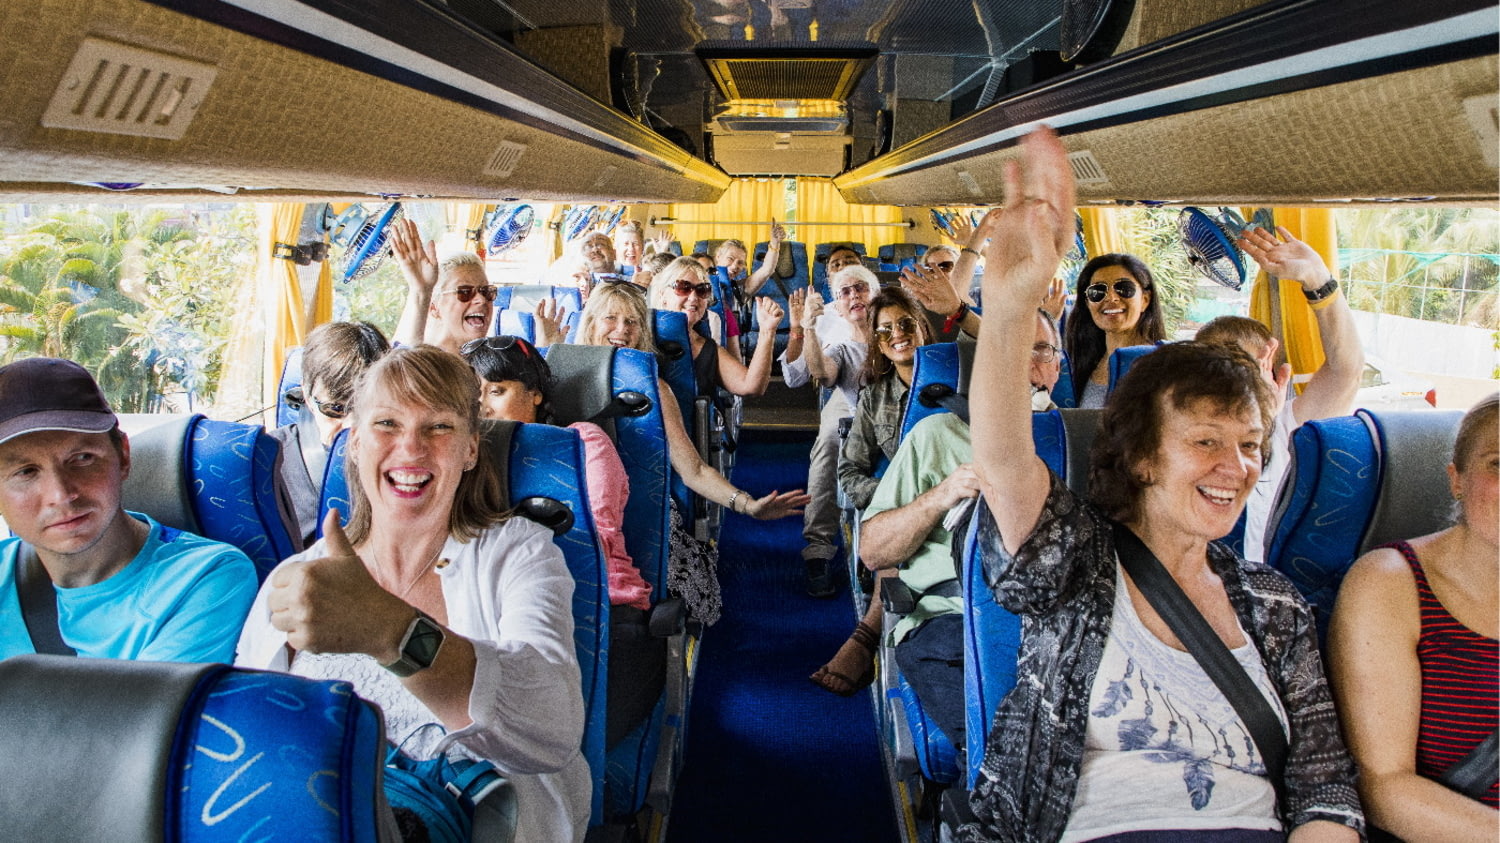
(864,637)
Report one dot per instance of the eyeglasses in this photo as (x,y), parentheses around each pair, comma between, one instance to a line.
(854,289)
(465,293)
(946,266)
(1124,288)
(906,325)
(1044,352)
(298,397)
(503,342)
(687,288)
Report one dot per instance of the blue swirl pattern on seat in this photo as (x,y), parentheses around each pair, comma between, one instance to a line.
(671,327)
(291,376)
(935,363)
(232,469)
(273,756)
(1062,391)
(335,484)
(547,461)
(1121,359)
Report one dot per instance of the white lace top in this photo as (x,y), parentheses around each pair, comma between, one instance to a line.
(1164,748)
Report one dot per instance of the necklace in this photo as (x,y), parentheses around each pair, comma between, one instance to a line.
(421,573)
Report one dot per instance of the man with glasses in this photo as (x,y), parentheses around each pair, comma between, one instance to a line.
(447,303)
(83,576)
(829,348)
(904,529)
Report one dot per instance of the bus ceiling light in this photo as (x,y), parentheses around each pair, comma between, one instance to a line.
(124,90)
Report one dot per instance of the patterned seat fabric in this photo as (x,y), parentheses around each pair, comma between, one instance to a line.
(291,378)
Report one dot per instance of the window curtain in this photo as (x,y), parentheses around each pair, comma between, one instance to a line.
(279,277)
(1287,312)
(1101,231)
(748,205)
(819,201)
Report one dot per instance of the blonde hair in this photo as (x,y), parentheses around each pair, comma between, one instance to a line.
(457,261)
(428,376)
(629,298)
(663,280)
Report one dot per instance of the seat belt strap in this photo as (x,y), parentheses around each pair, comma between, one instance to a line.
(39,604)
(1474,774)
(1188,624)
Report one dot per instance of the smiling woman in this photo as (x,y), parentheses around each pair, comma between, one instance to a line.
(1120,308)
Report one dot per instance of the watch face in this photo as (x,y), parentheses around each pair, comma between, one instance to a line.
(422,643)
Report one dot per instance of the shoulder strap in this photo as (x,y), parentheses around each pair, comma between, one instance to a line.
(39,604)
(314,455)
(1474,774)
(1187,623)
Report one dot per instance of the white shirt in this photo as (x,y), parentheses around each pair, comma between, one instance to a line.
(833,331)
(509,592)
(1263,496)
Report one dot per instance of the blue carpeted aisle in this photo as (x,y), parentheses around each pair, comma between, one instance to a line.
(771,757)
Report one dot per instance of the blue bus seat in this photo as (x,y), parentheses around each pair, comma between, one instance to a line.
(820,265)
(184,752)
(699,416)
(1354,483)
(291,378)
(618,388)
(547,484)
(778,287)
(992,635)
(1062,391)
(941,370)
(899,254)
(1121,359)
(218,479)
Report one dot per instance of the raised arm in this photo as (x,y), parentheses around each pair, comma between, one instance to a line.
(419,265)
(1377,681)
(1331,390)
(937,295)
(1027,241)
(705,481)
(759,277)
(819,367)
(973,238)
(753,379)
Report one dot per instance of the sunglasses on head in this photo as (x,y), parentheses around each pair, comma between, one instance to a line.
(686,288)
(503,342)
(946,266)
(906,324)
(465,293)
(853,289)
(1124,288)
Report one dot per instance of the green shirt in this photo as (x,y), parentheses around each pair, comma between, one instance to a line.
(933,449)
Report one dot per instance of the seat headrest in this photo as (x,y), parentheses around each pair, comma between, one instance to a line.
(496,435)
(583,381)
(159,484)
(1415,449)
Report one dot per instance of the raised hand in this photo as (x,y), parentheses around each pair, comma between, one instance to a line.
(812,307)
(778,233)
(333,605)
(768,314)
(777,505)
(1035,228)
(1056,298)
(934,293)
(419,263)
(661,242)
(794,304)
(550,317)
(1288,258)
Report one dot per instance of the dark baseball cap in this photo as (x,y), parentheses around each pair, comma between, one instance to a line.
(45,393)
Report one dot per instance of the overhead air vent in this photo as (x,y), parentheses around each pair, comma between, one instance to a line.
(124,90)
(1086,169)
(506,158)
(751,71)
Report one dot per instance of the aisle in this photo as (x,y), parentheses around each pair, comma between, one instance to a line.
(771,758)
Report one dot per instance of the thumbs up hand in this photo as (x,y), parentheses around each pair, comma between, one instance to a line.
(333,605)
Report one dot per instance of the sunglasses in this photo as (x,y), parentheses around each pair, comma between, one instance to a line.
(853,289)
(687,288)
(1124,288)
(1044,352)
(466,292)
(503,342)
(298,397)
(946,266)
(906,325)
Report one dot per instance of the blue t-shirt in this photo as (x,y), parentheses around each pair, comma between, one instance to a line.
(183,598)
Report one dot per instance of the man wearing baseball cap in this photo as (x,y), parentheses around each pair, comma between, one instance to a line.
(83,575)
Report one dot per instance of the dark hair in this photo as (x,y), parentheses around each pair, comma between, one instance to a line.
(336,353)
(1084,341)
(519,362)
(877,365)
(841,247)
(1179,374)
(428,376)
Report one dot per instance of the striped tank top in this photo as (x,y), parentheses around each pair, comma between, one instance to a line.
(1460,683)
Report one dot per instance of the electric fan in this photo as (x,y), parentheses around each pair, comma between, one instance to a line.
(365,238)
(1210,248)
(580,218)
(506,227)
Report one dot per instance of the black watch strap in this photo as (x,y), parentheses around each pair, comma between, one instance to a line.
(1322,292)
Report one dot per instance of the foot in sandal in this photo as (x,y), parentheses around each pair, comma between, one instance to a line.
(852,669)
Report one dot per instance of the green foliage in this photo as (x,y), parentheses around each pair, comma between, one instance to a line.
(1438,264)
(1152,232)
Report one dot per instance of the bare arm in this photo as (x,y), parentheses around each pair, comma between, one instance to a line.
(759,277)
(753,379)
(1378,686)
(823,371)
(936,294)
(968,255)
(1029,237)
(889,538)
(419,265)
(794,304)
(1331,390)
(706,482)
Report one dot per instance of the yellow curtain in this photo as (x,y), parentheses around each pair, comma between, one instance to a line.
(1298,325)
(819,201)
(322,306)
(288,319)
(748,205)
(1101,231)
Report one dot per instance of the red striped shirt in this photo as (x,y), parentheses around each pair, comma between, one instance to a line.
(1460,683)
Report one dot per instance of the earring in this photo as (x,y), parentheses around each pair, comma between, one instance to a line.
(470,466)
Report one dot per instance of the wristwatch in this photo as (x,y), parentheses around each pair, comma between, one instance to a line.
(1322,292)
(419,646)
